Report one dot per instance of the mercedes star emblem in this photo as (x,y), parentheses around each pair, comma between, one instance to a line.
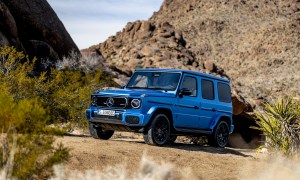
(110,101)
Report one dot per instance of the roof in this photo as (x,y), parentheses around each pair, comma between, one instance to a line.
(181,71)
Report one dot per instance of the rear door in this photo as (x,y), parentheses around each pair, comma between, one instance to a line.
(208,102)
(188,111)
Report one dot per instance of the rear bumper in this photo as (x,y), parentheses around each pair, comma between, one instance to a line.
(231,129)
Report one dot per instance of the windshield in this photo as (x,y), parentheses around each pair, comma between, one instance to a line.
(154,80)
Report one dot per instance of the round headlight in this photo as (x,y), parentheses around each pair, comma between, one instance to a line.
(136,103)
(94,101)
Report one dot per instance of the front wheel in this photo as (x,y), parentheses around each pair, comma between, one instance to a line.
(220,136)
(159,131)
(99,133)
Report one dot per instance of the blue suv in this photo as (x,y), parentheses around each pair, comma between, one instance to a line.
(163,104)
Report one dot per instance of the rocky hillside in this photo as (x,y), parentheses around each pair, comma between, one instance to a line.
(256,43)
(34,28)
(149,44)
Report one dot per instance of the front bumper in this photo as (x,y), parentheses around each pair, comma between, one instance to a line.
(122,117)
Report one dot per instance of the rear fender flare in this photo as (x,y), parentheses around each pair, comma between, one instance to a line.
(217,118)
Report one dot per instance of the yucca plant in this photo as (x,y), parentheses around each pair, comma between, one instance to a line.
(280,123)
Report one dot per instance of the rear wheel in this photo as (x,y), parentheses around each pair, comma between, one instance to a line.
(220,136)
(159,131)
(98,133)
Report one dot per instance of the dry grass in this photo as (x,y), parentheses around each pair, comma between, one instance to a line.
(148,170)
(276,168)
(86,63)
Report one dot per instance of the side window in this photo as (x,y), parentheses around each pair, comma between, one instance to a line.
(191,84)
(224,93)
(207,89)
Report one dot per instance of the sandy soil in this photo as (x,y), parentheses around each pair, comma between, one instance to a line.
(203,162)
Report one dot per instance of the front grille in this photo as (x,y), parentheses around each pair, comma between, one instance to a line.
(114,102)
(117,117)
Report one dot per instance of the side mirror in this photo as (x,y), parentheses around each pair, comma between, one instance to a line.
(185,92)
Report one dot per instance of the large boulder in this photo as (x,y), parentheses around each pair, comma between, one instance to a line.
(33,27)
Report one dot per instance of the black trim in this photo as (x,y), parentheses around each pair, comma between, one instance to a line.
(208,109)
(213,109)
(107,120)
(225,111)
(157,102)
(186,106)
(194,130)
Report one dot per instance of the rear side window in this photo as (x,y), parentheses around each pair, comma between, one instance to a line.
(224,93)
(207,89)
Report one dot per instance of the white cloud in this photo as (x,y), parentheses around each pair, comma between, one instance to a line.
(92,21)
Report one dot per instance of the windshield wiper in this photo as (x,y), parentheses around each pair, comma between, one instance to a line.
(159,88)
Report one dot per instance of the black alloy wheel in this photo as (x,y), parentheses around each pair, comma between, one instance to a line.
(220,136)
(159,131)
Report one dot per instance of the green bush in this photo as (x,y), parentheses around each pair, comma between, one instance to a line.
(30,102)
(280,123)
(64,93)
(32,148)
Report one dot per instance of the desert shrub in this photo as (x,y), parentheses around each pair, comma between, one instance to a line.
(88,63)
(70,94)
(26,139)
(280,123)
(30,102)
(64,92)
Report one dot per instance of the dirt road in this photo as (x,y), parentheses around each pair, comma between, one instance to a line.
(202,162)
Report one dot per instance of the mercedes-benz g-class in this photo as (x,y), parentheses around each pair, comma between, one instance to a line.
(163,104)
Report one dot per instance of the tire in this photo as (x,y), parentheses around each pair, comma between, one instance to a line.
(220,136)
(159,131)
(172,139)
(98,133)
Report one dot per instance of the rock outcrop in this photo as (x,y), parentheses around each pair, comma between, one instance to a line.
(34,28)
(145,44)
(256,42)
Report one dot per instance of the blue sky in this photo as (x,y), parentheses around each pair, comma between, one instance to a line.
(92,21)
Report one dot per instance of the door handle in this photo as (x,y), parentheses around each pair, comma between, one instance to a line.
(196,107)
(213,109)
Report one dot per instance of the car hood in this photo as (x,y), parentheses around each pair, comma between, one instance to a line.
(135,92)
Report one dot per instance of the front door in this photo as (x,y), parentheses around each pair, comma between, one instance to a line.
(188,106)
